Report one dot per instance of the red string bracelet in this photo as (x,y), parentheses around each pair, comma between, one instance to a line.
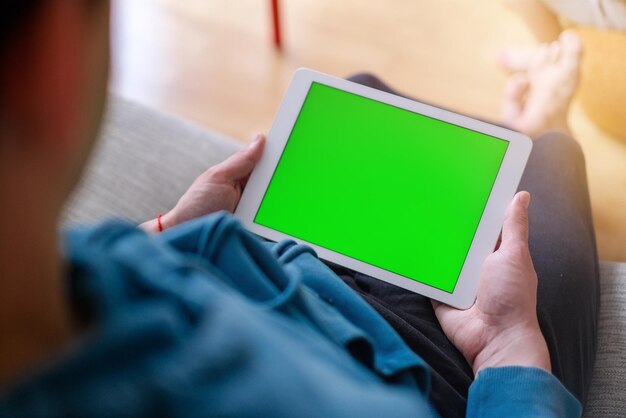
(159,222)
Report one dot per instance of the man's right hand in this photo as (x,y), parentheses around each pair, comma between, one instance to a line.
(502,328)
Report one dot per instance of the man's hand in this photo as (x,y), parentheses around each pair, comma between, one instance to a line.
(502,329)
(218,188)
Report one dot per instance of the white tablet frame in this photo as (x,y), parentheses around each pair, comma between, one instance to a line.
(491,220)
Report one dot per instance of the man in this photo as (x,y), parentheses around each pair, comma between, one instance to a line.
(205,320)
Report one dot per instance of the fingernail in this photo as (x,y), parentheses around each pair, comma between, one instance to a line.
(255,141)
(524,199)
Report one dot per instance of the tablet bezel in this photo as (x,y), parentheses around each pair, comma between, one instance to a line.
(490,224)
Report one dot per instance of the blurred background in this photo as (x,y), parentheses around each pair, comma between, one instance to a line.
(215,62)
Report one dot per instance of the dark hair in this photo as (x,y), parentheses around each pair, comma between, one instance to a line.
(14,13)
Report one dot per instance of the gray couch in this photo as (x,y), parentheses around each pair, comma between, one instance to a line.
(146,160)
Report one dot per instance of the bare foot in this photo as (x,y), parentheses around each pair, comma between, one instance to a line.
(543,81)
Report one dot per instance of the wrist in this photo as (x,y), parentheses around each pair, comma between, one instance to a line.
(516,346)
(158,224)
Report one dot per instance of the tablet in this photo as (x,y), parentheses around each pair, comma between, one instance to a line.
(396,189)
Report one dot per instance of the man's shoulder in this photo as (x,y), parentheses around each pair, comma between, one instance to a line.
(206,318)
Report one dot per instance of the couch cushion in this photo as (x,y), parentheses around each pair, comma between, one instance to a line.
(142,164)
(607,397)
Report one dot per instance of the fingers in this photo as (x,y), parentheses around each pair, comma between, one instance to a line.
(515,228)
(441,309)
(239,165)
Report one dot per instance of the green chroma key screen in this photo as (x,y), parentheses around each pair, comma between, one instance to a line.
(383,185)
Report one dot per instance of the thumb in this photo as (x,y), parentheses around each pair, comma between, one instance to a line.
(239,165)
(515,227)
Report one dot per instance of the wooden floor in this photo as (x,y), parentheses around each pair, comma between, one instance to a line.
(212,61)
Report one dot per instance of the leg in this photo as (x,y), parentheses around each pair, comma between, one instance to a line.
(563,248)
(374,82)
(412,316)
(562,239)
(562,242)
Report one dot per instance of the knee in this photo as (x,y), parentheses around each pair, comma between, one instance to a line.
(562,144)
(367,79)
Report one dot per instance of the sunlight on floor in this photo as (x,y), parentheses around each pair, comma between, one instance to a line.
(212,61)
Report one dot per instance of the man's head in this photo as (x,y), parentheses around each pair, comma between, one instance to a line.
(53,72)
(53,76)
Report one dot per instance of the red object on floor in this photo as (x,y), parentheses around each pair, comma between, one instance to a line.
(276,22)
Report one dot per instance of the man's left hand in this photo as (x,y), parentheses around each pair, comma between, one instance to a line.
(218,188)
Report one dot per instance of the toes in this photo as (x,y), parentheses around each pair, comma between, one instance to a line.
(540,58)
(515,59)
(516,87)
(514,95)
(571,47)
(570,41)
(554,51)
(538,95)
